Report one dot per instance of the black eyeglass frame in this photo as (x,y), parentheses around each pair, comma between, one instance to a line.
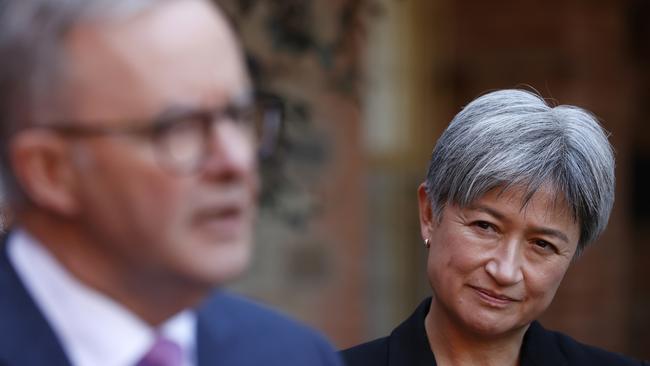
(264,117)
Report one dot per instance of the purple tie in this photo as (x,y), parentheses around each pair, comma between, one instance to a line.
(162,353)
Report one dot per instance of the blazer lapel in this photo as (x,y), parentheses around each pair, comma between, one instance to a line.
(408,343)
(207,342)
(539,348)
(212,333)
(26,338)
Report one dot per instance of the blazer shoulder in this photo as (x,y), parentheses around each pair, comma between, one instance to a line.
(26,337)
(247,315)
(373,353)
(578,353)
(255,333)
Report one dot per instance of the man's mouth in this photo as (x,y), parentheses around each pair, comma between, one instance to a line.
(223,221)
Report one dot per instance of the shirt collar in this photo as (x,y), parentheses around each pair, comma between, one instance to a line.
(93,328)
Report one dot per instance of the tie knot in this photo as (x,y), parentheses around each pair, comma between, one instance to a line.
(162,353)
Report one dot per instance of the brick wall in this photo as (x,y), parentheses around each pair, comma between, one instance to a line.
(592,54)
(355,269)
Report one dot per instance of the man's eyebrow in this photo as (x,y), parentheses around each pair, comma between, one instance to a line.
(179,110)
(540,230)
(173,111)
(240,98)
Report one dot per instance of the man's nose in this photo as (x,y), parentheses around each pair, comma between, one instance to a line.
(231,150)
(505,263)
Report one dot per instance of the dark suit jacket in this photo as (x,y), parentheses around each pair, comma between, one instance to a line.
(408,345)
(231,331)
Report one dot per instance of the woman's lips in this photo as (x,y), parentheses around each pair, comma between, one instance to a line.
(493,298)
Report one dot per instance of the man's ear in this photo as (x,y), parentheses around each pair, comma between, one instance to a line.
(427,219)
(40,161)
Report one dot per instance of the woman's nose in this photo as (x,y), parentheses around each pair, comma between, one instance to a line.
(505,264)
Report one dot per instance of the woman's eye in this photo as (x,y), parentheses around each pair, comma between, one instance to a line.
(543,244)
(484,225)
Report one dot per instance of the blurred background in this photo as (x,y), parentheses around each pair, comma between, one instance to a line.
(367,88)
(369,85)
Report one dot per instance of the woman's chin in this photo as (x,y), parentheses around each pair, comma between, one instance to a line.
(488,325)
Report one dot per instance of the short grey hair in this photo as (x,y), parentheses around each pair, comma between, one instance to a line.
(32,33)
(514,138)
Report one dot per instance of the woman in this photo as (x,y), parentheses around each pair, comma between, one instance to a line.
(515,191)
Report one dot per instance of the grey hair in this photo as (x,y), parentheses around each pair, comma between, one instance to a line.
(32,58)
(514,138)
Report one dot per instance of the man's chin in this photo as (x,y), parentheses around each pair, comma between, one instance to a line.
(226,265)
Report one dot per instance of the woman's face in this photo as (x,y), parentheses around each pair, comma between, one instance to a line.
(494,266)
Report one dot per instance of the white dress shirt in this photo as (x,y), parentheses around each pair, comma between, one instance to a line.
(93,329)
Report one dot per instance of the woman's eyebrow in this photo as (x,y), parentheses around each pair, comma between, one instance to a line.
(487,210)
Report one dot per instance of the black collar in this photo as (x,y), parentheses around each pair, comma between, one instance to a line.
(541,348)
(408,343)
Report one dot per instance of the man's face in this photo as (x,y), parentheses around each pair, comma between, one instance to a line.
(147,221)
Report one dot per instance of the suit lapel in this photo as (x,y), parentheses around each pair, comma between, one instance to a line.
(26,338)
(211,333)
(206,342)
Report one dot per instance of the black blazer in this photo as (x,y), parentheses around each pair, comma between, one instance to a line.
(408,345)
(231,331)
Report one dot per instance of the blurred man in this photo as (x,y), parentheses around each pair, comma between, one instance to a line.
(129,140)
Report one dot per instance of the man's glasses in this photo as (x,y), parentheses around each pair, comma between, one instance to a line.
(182,138)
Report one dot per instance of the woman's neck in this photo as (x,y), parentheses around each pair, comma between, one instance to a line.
(454,346)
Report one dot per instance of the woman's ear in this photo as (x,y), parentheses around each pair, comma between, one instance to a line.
(427,218)
(40,161)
